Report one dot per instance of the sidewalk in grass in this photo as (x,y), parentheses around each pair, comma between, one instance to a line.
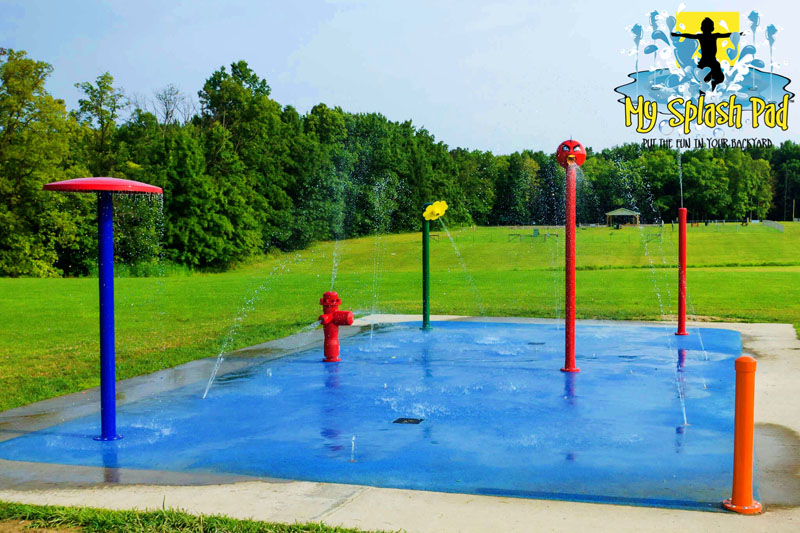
(777,414)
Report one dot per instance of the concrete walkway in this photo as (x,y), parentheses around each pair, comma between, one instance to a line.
(777,450)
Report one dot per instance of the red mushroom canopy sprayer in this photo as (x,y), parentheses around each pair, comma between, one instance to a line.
(331,318)
(570,155)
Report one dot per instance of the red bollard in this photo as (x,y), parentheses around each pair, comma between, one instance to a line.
(570,155)
(681,272)
(742,500)
(331,319)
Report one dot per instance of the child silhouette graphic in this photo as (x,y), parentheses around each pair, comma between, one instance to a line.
(708,50)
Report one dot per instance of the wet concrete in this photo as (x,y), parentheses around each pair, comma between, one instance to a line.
(44,414)
(30,476)
(777,450)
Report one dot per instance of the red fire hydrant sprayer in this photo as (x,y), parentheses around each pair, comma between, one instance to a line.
(331,318)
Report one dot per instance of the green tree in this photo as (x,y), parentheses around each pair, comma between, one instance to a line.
(190,229)
(233,218)
(320,170)
(228,98)
(326,125)
(210,222)
(548,200)
(786,174)
(749,184)
(239,103)
(376,150)
(34,144)
(99,110)
(661,174)
(515,190)
(705,185)
(476,174)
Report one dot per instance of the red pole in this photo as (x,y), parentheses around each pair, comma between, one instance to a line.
(569,304)
(681,272)
(742,500)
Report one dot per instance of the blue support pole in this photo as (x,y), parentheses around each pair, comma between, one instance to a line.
(105,264)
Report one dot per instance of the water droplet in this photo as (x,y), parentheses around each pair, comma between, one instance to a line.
(719,132)
(665,128)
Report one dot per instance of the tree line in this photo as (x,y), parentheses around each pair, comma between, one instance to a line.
(243,175)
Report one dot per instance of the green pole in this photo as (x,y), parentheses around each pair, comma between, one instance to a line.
(426,273)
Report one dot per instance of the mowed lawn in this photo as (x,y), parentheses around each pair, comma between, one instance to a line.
(49,336)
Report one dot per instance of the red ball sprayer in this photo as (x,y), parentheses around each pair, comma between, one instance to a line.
(570,155)
(331,318)
(570,152)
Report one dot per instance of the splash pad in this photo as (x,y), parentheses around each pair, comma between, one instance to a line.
(468,406)
(646,422)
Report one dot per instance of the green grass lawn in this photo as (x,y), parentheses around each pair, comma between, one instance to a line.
(91,520)
(49,342)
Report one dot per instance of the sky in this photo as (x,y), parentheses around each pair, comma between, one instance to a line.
(489,75)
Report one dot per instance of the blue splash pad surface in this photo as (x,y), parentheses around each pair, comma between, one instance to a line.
(499,416)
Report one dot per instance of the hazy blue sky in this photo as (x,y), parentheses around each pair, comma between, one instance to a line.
(502,75)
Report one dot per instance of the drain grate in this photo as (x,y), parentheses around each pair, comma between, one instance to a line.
(408,420)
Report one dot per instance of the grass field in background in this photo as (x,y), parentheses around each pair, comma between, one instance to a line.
(49,338)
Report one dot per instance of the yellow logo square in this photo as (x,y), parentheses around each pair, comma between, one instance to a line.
(690,22)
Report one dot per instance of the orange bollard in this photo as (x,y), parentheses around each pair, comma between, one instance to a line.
(742,500)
